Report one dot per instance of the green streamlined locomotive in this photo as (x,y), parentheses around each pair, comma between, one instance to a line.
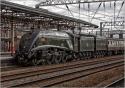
(53,47)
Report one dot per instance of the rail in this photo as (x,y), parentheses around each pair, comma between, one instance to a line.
(53,76)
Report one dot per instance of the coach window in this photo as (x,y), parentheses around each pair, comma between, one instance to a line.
(108,42)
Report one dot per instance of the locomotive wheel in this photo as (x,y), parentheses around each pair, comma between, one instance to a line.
(80,56)
(57,59)
(56,56)
(49,59)
(83,56)
(35,62)
(19,61)
(62,56)
(22,62)
(65,59)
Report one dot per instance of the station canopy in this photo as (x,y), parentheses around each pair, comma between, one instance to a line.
(40,16)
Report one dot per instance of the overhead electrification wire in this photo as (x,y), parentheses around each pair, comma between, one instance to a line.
(84,9)
(110,4)
(96,11)
(81,14)
(89,11)
(114,10)
(79,9)
(120,9)
(58,2)
(79,18)
(104,8)
(83,6)
(88,14)
(68,9)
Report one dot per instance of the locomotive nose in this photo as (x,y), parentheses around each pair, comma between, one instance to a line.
(21,57)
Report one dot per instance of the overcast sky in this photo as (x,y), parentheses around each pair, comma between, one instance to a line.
(103,14)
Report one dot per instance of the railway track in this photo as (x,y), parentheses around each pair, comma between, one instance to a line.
(9,69)
(22,70)
(114,83)
(52,75)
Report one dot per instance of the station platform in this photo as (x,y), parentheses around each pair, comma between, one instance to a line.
(5,57)
(6,60)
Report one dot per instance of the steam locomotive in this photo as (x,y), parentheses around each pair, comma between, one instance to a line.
(54,47)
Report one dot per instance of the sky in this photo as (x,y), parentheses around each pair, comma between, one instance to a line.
(93,14)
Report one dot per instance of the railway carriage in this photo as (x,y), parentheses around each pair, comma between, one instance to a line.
(101,46)
(121,45)
(115,46)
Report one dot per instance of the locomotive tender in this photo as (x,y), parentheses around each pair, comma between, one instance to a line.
(53,47)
